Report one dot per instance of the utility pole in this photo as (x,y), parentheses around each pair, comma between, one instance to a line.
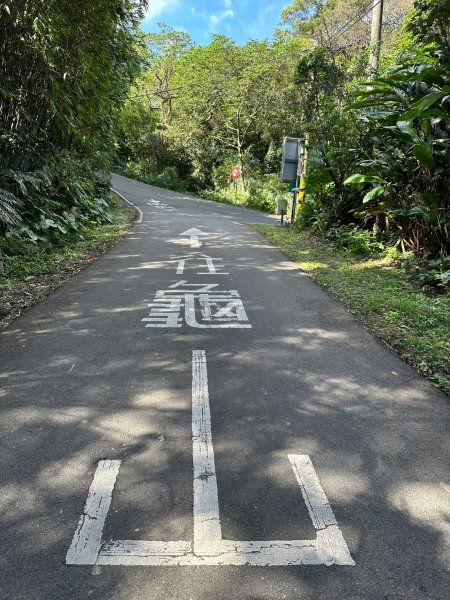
(375,37)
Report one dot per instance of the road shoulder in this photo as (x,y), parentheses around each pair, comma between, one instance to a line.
(410,322)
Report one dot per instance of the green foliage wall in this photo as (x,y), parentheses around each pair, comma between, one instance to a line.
(65,71)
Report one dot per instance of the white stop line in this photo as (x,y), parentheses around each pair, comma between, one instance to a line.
(207,547)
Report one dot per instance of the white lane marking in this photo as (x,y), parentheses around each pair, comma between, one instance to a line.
(193,235)
(207,531)
(138,210)
(137,552)
(273,553)
(86,541)
(319,509)
(208,548)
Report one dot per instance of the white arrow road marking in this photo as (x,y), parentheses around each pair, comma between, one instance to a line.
(208,548)
(193,234)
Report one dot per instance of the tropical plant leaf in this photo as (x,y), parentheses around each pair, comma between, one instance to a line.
(431,76)
(406,128)
(424,155)
(418,107)
(375,192)
(358,178)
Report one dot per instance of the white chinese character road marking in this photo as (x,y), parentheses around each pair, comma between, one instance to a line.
(164,312)
(208,547)
(218,309)
(213,269)
(201,287)
(159,204)
(180,268)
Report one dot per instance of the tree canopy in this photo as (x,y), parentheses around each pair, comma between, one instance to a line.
(82,88)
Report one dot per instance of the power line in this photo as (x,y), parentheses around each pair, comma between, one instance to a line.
(359,17)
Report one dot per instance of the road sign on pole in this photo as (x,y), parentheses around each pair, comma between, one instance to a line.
(293,168)
(235,172)
(290,159)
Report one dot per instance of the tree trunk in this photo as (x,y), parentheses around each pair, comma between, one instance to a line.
(241,166)
(239,149)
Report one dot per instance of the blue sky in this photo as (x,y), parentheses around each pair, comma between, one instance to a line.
(238,19)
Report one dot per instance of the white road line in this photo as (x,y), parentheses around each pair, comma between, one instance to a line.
(86,541)
(319,509)
(138,210)
(207,531)
(137,552)
(313,494)
(208,548)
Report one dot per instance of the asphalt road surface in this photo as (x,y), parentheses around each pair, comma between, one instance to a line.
(191,417)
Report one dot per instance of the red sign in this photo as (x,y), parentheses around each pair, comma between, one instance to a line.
(235,172)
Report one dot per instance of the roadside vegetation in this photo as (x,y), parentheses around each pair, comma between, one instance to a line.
(379,288)
(84,91)
(378,142)
(65,71)
(33,270)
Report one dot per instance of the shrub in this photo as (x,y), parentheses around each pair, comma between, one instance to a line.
(359,241)
(427,273)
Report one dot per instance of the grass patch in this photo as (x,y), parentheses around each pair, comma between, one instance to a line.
(32,271)
(404,317)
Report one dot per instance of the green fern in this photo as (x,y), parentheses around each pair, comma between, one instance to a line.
(9,203)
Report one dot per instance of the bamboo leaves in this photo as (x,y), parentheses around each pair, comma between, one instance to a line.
(65,71)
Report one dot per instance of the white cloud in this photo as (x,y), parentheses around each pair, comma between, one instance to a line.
(213,19)
(159,7)
(256,28)
(226,3)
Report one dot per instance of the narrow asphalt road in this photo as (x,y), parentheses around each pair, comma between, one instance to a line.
(191,417)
